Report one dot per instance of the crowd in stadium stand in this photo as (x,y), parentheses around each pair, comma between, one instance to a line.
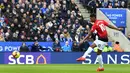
(48,21)
(91,5)
(39,20)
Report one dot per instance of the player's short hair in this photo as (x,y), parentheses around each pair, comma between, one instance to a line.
(93,15)
(117,42)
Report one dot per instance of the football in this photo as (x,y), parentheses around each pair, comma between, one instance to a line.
(15,54)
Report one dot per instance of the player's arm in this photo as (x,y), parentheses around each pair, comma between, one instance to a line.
(87,37)
(89,34)
(113,27)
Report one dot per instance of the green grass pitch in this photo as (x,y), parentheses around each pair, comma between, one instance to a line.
(64,68)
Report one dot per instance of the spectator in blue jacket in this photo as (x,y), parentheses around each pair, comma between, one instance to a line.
(1,21)
(66,47)
(44,9)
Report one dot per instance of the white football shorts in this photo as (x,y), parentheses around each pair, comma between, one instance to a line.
(100,44)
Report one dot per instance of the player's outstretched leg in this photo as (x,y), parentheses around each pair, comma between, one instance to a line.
(90,49)
(85,54)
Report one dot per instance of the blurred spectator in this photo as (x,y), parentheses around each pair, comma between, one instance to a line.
(56,46)
(129,36)
(117,47)
(42,39)
(109,5)
(75,47)
(129,5)
(67,35)
(66,47)
(1,21)
(123,4)
(8,35)
(106,49)
(2,39)
(91,5)
(62,39)
(24,48)
(44,9)
(73,6)
(36,47)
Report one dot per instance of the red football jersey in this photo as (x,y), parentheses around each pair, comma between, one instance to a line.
(100,27)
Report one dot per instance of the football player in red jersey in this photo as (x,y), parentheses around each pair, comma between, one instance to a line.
(100,27)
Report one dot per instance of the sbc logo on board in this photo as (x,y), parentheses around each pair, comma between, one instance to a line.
(28,58)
